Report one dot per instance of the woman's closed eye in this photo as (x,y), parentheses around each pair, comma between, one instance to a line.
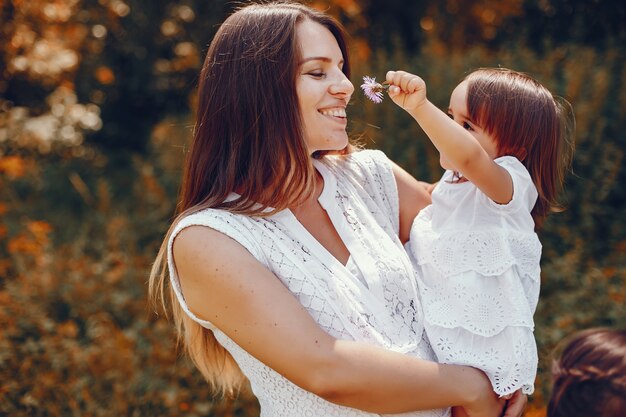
(317,74)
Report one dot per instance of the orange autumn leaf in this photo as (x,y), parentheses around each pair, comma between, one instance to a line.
(564,322)
(13,166)
(351,7)
(23,244)
(31,243)
(39,228)
(5,265)
(617,296)
(609,272)
(5,298)
(105,75)
(68,329)
(362,48)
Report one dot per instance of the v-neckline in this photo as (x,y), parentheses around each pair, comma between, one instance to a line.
(335,214)
(325,198)
(370,282)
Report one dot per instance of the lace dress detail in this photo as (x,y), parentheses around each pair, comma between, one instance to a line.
(478,275)
(380,307)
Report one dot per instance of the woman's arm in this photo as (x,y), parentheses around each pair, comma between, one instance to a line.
(225,284)
(413,195)
(458,146)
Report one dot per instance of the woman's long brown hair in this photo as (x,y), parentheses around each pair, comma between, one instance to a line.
(248,139)
(528,122)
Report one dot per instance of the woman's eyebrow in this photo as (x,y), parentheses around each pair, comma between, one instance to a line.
(318,58)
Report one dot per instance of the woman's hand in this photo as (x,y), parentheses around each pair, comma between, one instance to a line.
(406,90)
(428,186)
(516,404)
(487,405)
(511,406)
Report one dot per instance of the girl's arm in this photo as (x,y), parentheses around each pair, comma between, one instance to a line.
(455,143)
(413,196)
(224,284)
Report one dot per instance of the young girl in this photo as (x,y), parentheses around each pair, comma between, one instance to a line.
(505,144)
(590,375)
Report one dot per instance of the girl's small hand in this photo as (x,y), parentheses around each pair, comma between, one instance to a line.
(406,90)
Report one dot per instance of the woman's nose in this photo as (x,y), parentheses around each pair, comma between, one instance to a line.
(342,86)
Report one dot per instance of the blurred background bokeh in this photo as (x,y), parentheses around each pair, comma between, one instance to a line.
(96,99)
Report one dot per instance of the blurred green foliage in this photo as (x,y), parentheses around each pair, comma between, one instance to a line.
(94,120)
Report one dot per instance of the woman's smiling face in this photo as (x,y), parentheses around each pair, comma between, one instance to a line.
(323,89)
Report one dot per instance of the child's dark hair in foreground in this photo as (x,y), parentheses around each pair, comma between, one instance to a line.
(590,375)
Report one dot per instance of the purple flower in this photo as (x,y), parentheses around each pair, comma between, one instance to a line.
(372,89)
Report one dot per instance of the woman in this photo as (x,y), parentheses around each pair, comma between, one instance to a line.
(286,258)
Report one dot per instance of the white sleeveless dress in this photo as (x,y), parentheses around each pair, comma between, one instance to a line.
(478,274)
(378,306)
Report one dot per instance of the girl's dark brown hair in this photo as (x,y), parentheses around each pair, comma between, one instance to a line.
(589,377)
(249,139)
(527,122)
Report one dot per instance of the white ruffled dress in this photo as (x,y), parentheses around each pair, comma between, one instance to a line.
(478,274)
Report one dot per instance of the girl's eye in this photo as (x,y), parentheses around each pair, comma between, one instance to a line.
(467,126)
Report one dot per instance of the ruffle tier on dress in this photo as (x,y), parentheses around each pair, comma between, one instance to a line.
(479,290)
